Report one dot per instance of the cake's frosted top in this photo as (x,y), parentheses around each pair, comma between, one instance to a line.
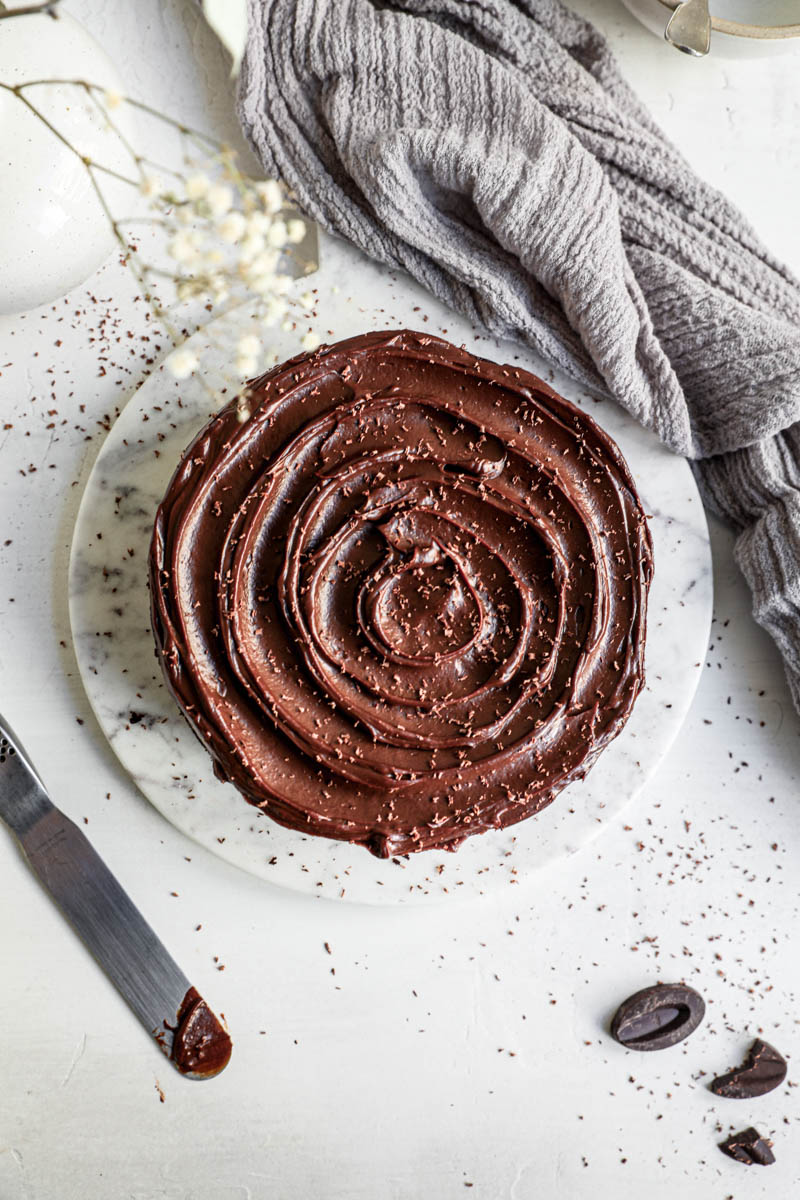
(404,602)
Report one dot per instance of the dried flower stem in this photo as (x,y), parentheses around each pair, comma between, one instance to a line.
(253,234)
(48,8)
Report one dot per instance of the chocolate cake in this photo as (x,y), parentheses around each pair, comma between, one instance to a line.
(404,602)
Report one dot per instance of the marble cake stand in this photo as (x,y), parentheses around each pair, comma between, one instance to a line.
(110,622)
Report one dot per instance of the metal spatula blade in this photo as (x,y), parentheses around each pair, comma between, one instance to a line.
(689,28)
(106,919)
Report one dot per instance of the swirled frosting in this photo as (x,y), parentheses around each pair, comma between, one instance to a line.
(404,602)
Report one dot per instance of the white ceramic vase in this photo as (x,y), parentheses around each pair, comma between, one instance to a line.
(53,233)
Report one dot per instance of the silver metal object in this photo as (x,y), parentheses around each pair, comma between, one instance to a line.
(689,28)
(99,910)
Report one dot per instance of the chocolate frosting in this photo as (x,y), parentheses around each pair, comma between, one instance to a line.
(201,1046)
(404,602)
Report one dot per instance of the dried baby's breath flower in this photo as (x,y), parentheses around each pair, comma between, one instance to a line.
(274,309)
(232,227)
(277,234)
(258,222)
(246,367)
(295,231)
(271,195)
(181,362)
(197,186)
(248,345)
(151,187)
(263,264)
(212,236)
(250,247)
(184,247)
(219,199)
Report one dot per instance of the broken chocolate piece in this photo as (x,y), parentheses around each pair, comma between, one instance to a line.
(658,1017)
(763,1070)
(748,1147)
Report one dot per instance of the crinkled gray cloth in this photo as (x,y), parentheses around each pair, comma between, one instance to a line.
(492,149)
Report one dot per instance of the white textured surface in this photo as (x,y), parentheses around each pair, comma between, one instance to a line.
(109,611)
(394,1078)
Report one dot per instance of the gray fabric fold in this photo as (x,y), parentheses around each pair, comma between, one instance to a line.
(492,149)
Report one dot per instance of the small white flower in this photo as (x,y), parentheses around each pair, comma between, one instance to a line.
(295,231)
(310,341)
(248,346)
(274,309)
(261,284)
(250,247)
(214,258)
(183,247)
(112,98)
(181,362)
(277,234)
(264,263)
(281,284)
(151,187)
(258,222)
(232,227)
(219,199)
(271,195)
(185,289)
(246,366)
(197,186)
(308,299)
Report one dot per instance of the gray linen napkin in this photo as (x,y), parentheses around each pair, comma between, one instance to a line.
(492,149)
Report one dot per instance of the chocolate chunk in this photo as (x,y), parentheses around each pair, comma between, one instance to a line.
(748,1147)
(658,1017)
(762,1070)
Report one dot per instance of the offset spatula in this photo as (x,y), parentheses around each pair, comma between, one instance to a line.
(107,921)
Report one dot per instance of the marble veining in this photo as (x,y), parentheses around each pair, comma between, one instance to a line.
(109,610)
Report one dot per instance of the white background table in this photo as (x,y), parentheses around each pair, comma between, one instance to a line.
(438,1053)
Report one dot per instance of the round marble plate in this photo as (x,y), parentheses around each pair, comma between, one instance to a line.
(110,622)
